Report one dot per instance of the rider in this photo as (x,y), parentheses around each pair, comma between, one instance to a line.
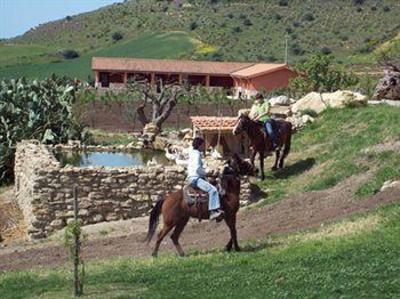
(260,112)
(196,178)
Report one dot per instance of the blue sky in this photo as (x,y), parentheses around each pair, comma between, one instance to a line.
(18,16)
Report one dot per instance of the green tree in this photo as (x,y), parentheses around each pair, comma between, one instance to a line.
(319,73)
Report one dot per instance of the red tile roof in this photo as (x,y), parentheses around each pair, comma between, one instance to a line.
(166,66)
(213,123)
(236,69)
(258,69)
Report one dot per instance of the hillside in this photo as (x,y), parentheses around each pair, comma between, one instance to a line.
(329,232)
(241,31)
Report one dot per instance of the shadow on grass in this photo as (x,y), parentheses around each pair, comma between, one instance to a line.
(294,169)
(260,246)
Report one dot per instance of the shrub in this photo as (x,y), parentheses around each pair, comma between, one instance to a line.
(309,112)
(326,51)
(237,29)
(373,8)
(283,2)
(277,17)
(193,25)
(358,2)
(386,9)
(247,22)
(296,24)
(116,36)
(296,49)
(68,18)
(308,17)
(320,74)
(43,110)
(69,54)
(359,9)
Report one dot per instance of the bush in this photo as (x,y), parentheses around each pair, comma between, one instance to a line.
(296,24)
(69,54)
(283,2)
(116,36)
(320,74)
(326,51)
(308,17)
(68,18)
(237,29)
(358,2)
(247,22)
(277,17)
(42,110)
(193,25)
(386,9)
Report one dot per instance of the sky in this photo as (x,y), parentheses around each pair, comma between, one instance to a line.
(18,16)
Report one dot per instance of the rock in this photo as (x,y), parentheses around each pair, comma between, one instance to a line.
(280,111)
(390,184)
(160,143)
(389,86)
(320,101)
(299,121)
(57,224)
(1,239)
(150,129)
(281,101)
(312,101)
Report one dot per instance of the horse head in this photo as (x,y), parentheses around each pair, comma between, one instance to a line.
(241,124)
(241,166)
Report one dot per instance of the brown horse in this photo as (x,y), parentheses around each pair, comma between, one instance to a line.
(176,212)
(261,143)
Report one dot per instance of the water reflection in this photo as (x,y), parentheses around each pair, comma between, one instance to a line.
(111,159)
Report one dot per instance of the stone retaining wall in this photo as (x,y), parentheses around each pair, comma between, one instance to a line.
(44,189)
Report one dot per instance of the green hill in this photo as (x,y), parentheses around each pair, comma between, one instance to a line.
(156,45)
(253,30)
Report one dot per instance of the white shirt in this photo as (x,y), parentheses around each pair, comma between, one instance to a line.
(195,165)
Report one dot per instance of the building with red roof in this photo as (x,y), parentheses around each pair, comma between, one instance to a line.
(244,78)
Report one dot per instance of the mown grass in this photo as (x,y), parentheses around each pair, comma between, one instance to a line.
(335,147)
(357,258)
(154,45)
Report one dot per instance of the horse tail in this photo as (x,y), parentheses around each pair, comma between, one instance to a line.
(153,221)
(288,142)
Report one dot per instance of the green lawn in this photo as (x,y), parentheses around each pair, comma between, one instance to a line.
(333,148)
(356,258)
(158,45)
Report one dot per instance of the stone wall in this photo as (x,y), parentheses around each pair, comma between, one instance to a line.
(44,190)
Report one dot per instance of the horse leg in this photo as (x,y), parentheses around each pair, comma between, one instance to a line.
(175,236)
(165,230)
(262,165)
(231,222)
(275,167)
(252,157)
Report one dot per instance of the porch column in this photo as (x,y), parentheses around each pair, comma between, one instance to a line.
(125,78)
(152,78)
(180,79)
(208,81)
(97,78)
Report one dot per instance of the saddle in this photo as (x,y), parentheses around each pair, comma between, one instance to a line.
(193,195)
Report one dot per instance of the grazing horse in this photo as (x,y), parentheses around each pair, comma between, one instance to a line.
(260,142)
(176,212)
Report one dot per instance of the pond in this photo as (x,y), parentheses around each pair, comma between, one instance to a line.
(112,159)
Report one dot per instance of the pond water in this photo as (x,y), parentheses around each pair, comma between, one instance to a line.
(112,159)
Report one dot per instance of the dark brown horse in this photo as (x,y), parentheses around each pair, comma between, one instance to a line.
(176,212)
(260,142)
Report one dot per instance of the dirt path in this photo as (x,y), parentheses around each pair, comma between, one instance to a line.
(292,214)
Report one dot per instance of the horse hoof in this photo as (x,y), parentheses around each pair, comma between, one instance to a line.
(237,249)
(228,249)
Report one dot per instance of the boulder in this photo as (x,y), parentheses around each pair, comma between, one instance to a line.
(320,101)
(312,101)
(280,111)
(390,184)
(299,121)
(281,101)
(389,86)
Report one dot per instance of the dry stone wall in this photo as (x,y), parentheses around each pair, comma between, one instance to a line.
(44,189)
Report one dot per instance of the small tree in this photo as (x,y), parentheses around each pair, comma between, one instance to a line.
(69,54)
(320,74)
(162,97)
(116,36)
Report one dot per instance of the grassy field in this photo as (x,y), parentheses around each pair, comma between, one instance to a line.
(336,147)
(156,45)
(352,259)
(231,30)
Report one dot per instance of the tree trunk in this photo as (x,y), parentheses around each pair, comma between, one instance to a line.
(142,115)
